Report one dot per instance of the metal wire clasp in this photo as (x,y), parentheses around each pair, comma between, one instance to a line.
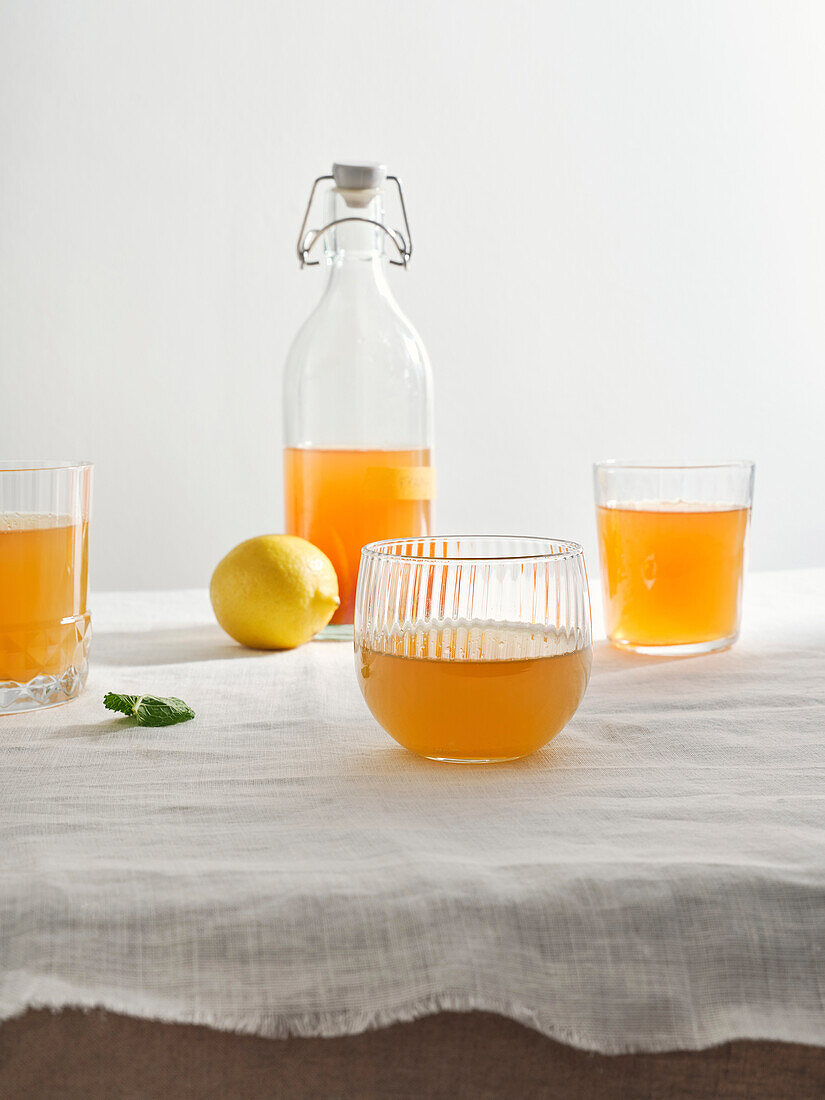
(307,239)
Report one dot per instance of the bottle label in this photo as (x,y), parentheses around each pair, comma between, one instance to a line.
(401,482)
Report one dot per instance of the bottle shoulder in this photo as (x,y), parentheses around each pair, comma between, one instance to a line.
(370,329)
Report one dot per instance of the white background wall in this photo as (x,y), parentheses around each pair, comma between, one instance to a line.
(620,249)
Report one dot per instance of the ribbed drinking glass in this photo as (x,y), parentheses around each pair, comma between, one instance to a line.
(473,649)
(44,623)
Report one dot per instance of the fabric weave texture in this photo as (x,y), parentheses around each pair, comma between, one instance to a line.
(652,880)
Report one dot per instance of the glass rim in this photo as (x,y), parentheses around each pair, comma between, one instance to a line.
(374,549)
(39,466)
(621,464)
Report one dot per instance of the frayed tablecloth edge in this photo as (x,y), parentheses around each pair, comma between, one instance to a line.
(350,1022)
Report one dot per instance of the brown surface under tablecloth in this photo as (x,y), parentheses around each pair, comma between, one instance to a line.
(75,1055)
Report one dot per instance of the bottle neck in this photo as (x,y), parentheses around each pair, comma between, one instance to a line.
(352,272)
(355,251)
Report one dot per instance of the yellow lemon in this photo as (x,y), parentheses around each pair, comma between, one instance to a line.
(274,592)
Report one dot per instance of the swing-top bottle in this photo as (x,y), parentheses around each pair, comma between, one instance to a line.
(357,389)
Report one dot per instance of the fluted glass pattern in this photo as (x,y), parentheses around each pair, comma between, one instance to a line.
(483,605)
(472,583)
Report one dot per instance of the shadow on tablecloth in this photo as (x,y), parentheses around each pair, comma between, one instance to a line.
(169,647)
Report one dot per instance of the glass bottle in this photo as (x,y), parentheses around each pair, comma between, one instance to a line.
(357,391)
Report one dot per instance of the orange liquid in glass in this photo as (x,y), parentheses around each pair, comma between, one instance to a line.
(339,500)
(43,577)
(473,710)
(672,575)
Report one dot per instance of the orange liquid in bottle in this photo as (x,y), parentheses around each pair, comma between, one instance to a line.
(672,575)
(43,576)
(342,499)
(454,700)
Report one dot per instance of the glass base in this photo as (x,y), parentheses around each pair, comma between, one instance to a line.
(31,651)
(472,759)
(341,632)
(689,649)
(42,691)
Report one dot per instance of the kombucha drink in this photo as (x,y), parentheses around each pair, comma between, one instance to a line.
(339,500)
(43,576)
(474,692)
(672,572)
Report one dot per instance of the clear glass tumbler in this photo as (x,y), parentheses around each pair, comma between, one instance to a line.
(673,543)
(473,649)
(44,623)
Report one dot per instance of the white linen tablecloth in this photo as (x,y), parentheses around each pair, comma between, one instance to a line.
(654,879)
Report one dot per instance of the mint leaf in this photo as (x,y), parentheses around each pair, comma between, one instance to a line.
(124,703)
(149,710)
